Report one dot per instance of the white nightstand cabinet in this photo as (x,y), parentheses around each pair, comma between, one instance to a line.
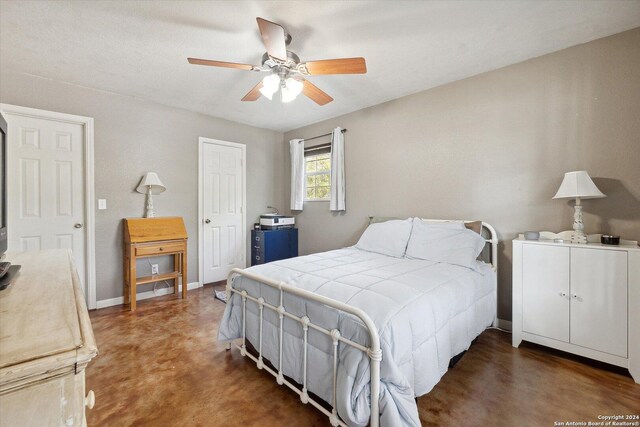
(579,298)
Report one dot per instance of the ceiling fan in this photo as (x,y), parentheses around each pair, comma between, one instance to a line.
(285,69)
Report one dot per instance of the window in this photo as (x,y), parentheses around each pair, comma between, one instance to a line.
(318,176)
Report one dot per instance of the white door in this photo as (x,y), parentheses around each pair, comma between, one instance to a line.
(599,300)
(223,190)
(45,169)
(545,291)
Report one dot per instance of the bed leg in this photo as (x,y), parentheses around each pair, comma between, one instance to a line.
(376,357)
(227,346)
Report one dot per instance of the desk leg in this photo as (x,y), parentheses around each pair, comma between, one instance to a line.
(127,281)
(176,267)
(132,283)
(184,273)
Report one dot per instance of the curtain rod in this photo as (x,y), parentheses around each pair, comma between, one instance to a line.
(320,136)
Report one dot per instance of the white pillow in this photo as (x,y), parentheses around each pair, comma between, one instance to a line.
(450,242)
(387,238)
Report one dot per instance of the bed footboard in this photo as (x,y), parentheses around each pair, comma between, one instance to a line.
(373,351)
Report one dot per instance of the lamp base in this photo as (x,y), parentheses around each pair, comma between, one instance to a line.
(578,235)
(149,211)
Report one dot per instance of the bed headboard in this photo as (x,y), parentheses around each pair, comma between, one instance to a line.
(490,251)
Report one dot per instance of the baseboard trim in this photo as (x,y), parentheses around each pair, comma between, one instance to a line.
(144,295)
(504,324)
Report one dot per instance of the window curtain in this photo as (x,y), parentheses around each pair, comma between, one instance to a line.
(296,147)
(338,198)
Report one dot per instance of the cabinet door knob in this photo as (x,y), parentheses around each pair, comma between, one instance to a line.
(563,294)
(574,296)
(207,221)
(78,225)
(90,400)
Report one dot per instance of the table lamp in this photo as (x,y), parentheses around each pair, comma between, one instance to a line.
(578,185)
(149,184)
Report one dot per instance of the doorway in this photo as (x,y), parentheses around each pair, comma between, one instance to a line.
(222,212)
(50,186)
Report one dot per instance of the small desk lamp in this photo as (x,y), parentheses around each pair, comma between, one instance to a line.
(149,184)
(578,185)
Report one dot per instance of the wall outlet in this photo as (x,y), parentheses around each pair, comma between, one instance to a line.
(154,268)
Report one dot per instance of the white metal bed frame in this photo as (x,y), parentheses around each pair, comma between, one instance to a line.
(373,351)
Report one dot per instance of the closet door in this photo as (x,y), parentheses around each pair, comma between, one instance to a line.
(545,291)
(599,300)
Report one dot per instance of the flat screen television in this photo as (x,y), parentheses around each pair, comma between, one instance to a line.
(3,186)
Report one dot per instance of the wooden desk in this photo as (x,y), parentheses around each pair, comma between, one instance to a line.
(149,237)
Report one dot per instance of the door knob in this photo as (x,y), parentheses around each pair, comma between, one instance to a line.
(207,221)
(78,225)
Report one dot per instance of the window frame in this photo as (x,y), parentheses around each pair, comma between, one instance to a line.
(316,173)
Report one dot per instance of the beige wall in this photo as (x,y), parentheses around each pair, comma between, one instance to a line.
(495,147)
(133,137)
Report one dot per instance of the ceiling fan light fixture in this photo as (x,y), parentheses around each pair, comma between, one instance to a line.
(294,85)
(286,95)
(291,89)
(270,85)
(267,94)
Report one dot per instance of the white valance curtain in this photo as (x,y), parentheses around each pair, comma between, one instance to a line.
(338,194)
(296,147)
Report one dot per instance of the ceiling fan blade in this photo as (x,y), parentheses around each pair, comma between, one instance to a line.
(312,91)
(337,66)
(211,63)
(274,38)
(254,93)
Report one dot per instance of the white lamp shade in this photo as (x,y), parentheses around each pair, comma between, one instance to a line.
(578,184)
(150,179)
(291,89)
(270,85)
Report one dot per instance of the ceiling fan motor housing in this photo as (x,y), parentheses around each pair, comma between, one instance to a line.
(291,58)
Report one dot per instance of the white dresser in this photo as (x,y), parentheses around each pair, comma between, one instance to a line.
(46,341)
(579,298)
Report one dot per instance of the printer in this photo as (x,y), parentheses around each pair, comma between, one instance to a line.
(276,221)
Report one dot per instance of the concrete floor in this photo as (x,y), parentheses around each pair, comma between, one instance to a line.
(162,366)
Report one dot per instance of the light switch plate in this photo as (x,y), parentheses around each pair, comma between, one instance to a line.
(102,204)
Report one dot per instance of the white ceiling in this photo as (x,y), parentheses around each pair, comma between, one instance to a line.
(139,49)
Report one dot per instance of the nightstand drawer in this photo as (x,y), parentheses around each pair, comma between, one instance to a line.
(159,249)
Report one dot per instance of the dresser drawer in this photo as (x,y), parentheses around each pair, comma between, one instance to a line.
(57,401)
(159,249)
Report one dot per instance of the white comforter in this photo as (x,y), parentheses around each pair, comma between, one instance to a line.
(425,312)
